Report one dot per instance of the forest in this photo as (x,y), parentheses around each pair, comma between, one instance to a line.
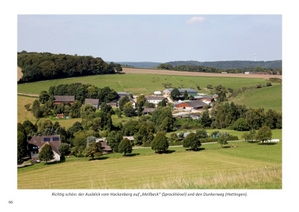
(273,67)
(45,66)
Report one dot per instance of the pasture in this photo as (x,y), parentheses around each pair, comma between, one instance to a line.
(266,97)
(144,83)
(248,166)
(137,83)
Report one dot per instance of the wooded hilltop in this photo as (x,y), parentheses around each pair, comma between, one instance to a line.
(44,66)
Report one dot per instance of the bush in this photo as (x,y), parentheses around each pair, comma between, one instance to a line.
(233,138)
(208,140)
(209,86)
(241,125)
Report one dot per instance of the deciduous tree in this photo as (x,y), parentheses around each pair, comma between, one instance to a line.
(125,146)
(191,141)
(93,149)
(46,153)
(264,134)
(160,143)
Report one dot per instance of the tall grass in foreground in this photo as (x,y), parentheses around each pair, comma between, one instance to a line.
(266,178)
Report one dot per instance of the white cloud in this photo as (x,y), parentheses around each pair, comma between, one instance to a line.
(196,19)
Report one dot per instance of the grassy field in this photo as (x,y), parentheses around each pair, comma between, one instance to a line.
(276,134)
(266,97)
(143,83)
(249,166)
(23,114)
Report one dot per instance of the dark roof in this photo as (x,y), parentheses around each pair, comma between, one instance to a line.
(52,140)
(192,103)
(155,98)
(105,146)
(64,98)
(148,110)
(196,103)
(92,101)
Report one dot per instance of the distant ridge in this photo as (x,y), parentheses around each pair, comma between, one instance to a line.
(152,65)
(235,64)
(231,64)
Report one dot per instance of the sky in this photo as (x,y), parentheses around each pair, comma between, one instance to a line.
(154,38)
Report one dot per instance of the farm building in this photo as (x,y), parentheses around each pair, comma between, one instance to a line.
(155,99)
(93,102)
(63,99)
(189,105)
(36,143)
(203,97)
(158,93)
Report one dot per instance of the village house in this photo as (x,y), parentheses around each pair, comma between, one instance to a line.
(64,99)
(123,94)
(104,145)
(113,104)
(148,110)
(36,143)
(154,99)
(93,102)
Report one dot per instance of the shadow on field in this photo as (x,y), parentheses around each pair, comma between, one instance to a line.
(199,149)
(267,144)
(166,152)
(131,155)
(100,158)
(169,151)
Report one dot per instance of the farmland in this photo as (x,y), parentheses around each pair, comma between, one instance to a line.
(248,166)
(146,83)
(138,83)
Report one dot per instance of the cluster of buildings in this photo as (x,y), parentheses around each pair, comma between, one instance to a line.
(182,109)
(198,101)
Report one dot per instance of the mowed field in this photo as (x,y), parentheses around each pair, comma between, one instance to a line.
(245,167)
(147,81)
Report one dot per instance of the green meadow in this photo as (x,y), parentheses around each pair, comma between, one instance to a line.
(143,83)
(248,166)
(265,97)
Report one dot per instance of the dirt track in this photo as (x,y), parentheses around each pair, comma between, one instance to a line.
(183,73)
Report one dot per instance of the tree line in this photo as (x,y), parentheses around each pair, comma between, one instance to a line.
(44,66)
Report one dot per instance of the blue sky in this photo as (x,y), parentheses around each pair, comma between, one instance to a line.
(154,38)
